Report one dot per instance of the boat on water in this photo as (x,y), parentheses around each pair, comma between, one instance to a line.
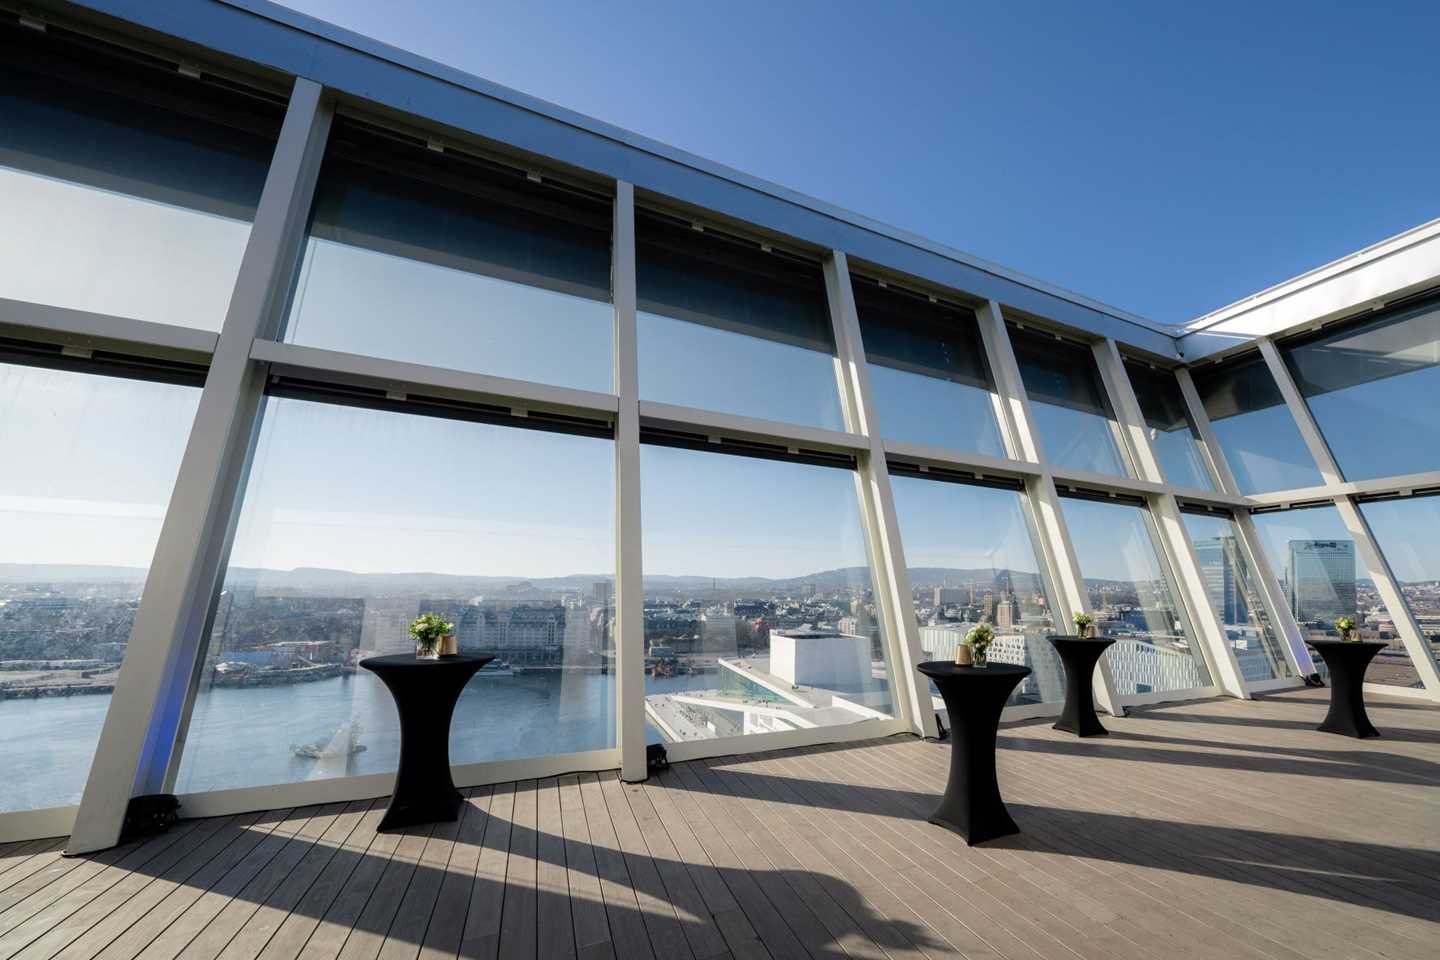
(499,668)
(343,741)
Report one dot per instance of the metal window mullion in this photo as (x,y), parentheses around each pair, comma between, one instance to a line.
(147,715)
(1416,645)
(1300,412)
(629,631)
(1209,441)
(1023,443)
(877,501)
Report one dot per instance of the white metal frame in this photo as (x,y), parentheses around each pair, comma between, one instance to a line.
(144,731)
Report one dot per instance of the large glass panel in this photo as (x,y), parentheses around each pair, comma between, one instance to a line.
(1325,578)
(928,374)
(1259,648)
(447,260)
(126,189)
(971,555)
(725,325)
(1134,599)
(355,521)
(1372,390)
(1173,435)
(1258,436)
(89,465)
(1068,403)
(1408,532)
(760,614)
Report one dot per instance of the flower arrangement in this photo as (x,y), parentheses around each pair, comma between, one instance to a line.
(428,630)
(1345,626)
(1084,624)
(978,640)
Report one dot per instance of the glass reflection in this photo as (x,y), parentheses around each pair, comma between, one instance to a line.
(1371,389)
(1407,531)
(341,544)
(126,190)
(1236,598)
(1260,440)
(1173,435)
(971,554)
(1325,578)
(928,374)
(760,613)
(724,325)
(89,465)
(444,260)
(1133,599)
(1067,401)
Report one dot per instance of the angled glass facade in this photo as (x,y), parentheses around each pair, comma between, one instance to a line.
(609,414)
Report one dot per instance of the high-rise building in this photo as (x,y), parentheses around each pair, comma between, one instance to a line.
(944,596)
(1320,579)
(1218,565)
(601,592)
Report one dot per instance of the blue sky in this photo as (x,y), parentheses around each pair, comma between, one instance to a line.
(1164,159)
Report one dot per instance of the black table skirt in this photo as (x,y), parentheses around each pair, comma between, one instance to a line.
(1348,661)
(974,697)
(425,693)
(1080,655)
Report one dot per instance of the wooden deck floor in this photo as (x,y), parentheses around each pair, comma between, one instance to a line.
(1214,829)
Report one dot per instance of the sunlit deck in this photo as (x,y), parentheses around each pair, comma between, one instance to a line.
(1206,829)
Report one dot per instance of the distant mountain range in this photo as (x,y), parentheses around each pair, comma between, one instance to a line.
(326,581)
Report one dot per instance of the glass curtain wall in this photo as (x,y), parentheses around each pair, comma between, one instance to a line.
(1407,530)
(358,519)
(126,188)
(1133,598)
(1173,434)
(448,260)
(1235,595)
(972,556)
(90,461)
(929,378)
(727,325)
(1372,390)
(760,612)
(1324,578)
(1067,400)
(1260,440)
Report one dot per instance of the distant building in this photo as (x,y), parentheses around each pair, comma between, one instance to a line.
(602,592)
(1218,565)
(1320,579)
(820,658)
(945,596)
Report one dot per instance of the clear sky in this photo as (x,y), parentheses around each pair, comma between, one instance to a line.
(1165,158)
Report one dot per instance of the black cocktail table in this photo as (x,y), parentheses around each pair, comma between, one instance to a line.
(1080,654)
(425,693)
(1347,660)
(974,697)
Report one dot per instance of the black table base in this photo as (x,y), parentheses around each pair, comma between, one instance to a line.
(974,697)
(1348,661)
(1080,654)
(425,693)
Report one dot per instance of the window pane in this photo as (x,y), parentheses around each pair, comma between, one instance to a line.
(1236,598)
(445,260)
(1407,532)
(1133,599)
(726,326)
(1172,433)
(1260,440)
(928,373)
(1072,414)
(344,539)
(971,556)
(760,615)
(1324,578)
(126,189)
(89,465)
(1372,390)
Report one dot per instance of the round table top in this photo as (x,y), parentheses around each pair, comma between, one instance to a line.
(1080,641)
(948,668)
(1324,644)
(408,661)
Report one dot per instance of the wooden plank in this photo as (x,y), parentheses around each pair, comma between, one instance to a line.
(481,938)
(627,927)
(587,906)
(452,904)
(407,932)
(368,935)
(349,905)
(661,919)
(519,917)
(556,935)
